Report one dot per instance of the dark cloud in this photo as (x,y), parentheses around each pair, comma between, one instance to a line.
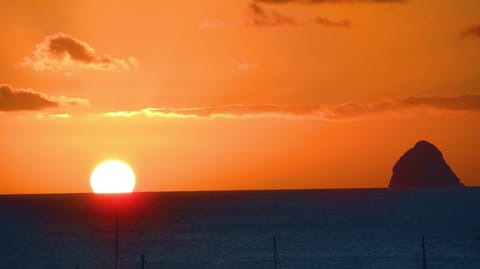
(472,31)
(61,45)
(60,52)
(256,15)
(25,99)
(11,99)
(326,112)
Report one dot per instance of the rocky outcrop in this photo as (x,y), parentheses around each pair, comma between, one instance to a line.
(423,166)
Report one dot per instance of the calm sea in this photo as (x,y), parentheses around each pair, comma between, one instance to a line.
(376,228)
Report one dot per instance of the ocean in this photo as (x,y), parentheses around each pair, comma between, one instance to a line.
(361,228)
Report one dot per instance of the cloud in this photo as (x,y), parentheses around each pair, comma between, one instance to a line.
(259,16)
(324,112)
(472,31)
(329,23)
(242,64)
(467,102)
(47,116)
(328,1)
(256,15)
(61,52)
(26,99)
(228,111)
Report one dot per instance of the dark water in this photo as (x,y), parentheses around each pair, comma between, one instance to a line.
(314,229)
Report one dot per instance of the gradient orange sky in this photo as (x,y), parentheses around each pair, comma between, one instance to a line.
(262,94)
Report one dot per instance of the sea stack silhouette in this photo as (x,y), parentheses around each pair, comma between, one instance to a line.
(423,166)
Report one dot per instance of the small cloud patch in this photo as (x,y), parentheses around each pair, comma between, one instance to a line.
(62,52)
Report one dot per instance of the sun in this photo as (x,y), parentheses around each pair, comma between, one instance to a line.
(112,176)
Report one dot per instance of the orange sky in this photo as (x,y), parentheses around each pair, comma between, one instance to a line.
(255,94)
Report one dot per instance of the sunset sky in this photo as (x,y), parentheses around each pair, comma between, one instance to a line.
(214,95)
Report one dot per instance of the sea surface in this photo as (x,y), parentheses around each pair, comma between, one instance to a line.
(367,228)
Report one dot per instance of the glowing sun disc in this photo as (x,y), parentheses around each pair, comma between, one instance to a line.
(112,177)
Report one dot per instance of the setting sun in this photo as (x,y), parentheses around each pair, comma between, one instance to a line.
(112,177)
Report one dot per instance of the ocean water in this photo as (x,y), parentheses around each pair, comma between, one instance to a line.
(374,228)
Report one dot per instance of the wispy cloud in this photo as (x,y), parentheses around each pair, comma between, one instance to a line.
(472,31)
(61,52)
(260,16)
(26,99)
(48,116)
(331,23)
(467,102)
(256,15)
(242,64)
(228,111)
(325,112)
